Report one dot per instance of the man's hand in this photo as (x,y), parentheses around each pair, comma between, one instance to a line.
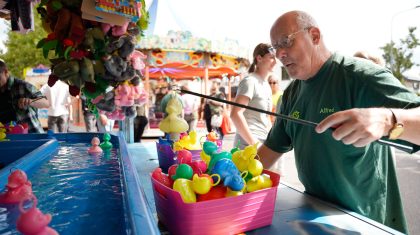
(23,103)
(358,127)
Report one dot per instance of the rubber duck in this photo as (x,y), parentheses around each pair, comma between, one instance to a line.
(188,141)
(106,144)
(185,188)
(33,221)
(2,132)
(18,188)
(172,123)
(258,182)
(95,149)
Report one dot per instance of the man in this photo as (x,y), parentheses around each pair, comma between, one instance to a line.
(361,179)
(88,116)
(60,110)
(140,122)
(216,109)
(191,105)
(20,101)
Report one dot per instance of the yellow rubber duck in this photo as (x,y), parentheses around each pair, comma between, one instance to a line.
(2,132)
(173,123)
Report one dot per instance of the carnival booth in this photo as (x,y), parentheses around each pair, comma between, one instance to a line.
(180,56)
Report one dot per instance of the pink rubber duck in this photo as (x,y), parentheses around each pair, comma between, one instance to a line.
(95,149)
(33,221)
(19,188)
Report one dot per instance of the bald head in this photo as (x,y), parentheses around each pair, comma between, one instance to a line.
(297,40)
(295,20)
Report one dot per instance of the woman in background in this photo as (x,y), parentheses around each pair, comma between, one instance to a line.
(251,126)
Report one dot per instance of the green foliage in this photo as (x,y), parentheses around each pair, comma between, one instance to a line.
(398,58)
(22,51)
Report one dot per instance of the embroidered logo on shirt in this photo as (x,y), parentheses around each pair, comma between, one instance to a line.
(327,110)
(295,114)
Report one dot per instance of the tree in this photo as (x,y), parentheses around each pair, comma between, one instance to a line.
(399,57)
(22,51)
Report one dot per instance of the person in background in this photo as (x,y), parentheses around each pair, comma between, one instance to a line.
(277,93)
(375,59)
(216,108)
(140,122)
(201,109)
(60,110)
(88,116)
(191,105)
(20,101)
(207,114)
(173,91)
(361,101)
(254,90)
(162,91)
(105,124)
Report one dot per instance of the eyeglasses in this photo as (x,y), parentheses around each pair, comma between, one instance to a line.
(271,83)
(286,42)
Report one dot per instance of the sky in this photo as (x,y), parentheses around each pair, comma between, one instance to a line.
(347,26)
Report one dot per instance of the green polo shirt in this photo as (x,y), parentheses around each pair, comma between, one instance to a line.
(359,179)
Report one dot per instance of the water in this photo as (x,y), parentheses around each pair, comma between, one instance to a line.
(83,193)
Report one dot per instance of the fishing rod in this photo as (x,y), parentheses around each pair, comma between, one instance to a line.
(401,147)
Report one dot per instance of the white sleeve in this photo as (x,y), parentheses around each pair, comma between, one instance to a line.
(246,87)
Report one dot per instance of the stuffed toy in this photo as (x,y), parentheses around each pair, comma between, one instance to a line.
(136,59)
(124,95)
(93,90)
(92,56)
(117,114)
(105,102)
(91,35)
(114,65)
(87,72)
(116,30)
(123,44)
(67,70)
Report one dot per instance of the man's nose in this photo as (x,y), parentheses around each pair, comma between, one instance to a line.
(281,53)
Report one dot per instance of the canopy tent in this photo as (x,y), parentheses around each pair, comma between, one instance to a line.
(179,55)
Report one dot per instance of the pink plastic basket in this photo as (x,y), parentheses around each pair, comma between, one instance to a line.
(230,215)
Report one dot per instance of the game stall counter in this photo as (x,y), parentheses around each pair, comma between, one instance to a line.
(101,193)
(295,212)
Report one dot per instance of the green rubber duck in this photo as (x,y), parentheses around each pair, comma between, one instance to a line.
(106,144)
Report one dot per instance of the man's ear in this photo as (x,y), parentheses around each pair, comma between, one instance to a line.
(315,35)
